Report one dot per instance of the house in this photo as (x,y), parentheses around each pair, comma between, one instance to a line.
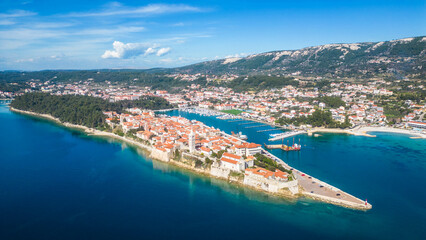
(232,162)
(206,151)
(145,135)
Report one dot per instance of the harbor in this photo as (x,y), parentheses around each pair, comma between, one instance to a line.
(311,186)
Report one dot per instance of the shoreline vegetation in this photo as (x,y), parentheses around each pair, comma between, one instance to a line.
(237,180)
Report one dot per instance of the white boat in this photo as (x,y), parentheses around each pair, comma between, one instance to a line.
(275,135)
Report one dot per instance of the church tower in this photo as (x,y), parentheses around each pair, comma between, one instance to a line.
(191,141)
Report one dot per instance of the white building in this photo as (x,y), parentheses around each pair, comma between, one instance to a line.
(232,162)
(248,149)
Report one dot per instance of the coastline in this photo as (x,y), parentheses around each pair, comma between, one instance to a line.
(364,131)
(360,131)
(415,135)
(205,171)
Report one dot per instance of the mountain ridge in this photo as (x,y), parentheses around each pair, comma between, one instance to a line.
(405,57)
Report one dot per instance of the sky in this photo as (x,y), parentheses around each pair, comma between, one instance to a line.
(93,34)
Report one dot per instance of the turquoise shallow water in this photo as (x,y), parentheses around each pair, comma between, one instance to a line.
(60,184)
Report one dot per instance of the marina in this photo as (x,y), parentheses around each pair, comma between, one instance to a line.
(312,187)
(280,136)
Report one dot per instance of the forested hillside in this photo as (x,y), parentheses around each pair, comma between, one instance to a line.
(81,110)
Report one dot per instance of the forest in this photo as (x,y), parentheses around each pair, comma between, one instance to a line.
(82,110)
(320,118)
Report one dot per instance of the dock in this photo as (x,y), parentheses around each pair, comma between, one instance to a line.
(286,135)
(268,130)
(245,123)
(239,120)
(256,126)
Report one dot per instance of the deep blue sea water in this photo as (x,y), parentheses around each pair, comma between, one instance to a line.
(61,184)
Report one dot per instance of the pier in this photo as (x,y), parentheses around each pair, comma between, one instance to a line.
(256,126)
(286,135)
(268,130)
(239,120)
(245,123)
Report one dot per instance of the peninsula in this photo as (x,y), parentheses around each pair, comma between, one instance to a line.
(188,144)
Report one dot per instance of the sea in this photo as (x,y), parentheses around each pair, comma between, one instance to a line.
(59,183)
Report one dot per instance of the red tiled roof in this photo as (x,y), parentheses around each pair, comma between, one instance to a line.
(228,160)
(230,155)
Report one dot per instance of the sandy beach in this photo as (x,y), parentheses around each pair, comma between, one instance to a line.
(364,131)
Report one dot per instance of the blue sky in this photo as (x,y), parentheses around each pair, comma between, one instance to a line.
(92,34)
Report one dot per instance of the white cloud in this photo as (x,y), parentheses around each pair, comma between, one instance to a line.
(107,31)
(25,60)
(6,22)
(166,60)
(51,24)
(128,50)
(179,24)
(149,51)
(151,9)
(57,57)
(163,51)
(17,14)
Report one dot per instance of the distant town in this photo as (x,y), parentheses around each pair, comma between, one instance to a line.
(371,103)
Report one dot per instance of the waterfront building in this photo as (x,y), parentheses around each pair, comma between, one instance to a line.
(417,124)
(232,162)
(248,149)
(268,180)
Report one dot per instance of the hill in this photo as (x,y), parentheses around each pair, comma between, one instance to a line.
(399,58)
